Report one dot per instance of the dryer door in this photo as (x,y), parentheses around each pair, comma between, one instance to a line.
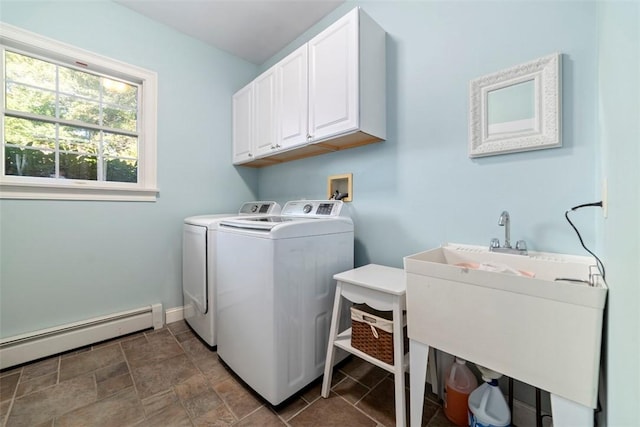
(194,269)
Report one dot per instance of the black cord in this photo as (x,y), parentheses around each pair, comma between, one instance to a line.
(566,215)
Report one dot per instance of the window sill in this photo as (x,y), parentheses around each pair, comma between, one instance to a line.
(76,190)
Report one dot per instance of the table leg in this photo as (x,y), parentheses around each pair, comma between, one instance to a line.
(333,333)
(418,358)
(568,413)
(398,364)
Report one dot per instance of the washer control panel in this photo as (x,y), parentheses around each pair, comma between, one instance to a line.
(313,208)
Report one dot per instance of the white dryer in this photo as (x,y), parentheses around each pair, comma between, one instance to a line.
(276,292)
(198,266)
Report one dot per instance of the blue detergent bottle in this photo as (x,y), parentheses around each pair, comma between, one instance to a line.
(487,405)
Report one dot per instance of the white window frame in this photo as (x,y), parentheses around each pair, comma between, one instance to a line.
(21,187)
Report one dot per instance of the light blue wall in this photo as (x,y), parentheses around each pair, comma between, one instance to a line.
(619,234)
(67,261)
(419,189)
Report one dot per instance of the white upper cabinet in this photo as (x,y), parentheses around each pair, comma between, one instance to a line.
(243,125)
(292,99)
(333,79)
(328,95)
(265,115)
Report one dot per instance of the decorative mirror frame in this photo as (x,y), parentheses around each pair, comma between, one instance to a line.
(545,72)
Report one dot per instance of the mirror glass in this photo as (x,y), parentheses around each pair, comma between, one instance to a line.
(516,109)
(511,108)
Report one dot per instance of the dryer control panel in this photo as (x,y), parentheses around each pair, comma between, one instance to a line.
(255,208)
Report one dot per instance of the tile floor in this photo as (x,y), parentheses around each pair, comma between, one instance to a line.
(170,378)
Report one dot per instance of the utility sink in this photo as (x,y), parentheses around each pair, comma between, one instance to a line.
(510,313)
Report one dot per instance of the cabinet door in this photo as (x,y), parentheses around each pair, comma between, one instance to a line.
(243,125)
(292,99)
(264,101)
(333,79)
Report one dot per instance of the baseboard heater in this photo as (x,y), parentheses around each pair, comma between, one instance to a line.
(46,342)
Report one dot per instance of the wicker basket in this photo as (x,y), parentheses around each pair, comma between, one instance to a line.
(372,332)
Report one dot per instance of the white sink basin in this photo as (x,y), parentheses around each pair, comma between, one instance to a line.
(538,330)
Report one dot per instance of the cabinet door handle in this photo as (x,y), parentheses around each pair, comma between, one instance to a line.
(277,145)
(273,147)
(250,155)
(309,137)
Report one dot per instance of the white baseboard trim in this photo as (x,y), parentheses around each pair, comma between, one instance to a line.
(174,314)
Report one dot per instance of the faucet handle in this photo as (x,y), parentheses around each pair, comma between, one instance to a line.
(494,244)
(521,245)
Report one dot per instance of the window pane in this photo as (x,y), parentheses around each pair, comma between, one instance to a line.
(119,119)
(24,69)
(120,145)
(29,133)
(120,170)
(72,108)
(79,83)
(120,93)
(30,100)
(78,166)
(28,162)
(82,140)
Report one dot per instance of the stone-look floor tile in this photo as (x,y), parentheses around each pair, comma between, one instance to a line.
(291,407)
(196,350)
(10,371)
(159,401)
(263,417)
(173,415)
(438,420)
(37,369)
(185,335)
(155,347)
(84,363)
(43,405)
(363,372)
(113,385)
(177,327)
(111,371)
(38,383)
(334,412)
(4,410)
(241,401)
(350,389)
(8,386)
(75,352)
(380,404)
(213,369)
(219,417)
(192,387)
(122,409)
(313,390)
(157,376)
(202,403)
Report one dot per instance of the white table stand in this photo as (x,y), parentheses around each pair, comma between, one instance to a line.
(382,288)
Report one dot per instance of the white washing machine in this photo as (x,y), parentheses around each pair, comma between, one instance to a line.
(198,266)
(276,292)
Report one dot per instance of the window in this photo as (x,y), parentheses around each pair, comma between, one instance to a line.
(75,125)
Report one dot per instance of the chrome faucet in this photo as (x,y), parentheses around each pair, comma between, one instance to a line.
(505,221)
(494,245)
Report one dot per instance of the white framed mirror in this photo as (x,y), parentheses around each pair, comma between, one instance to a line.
(516,109)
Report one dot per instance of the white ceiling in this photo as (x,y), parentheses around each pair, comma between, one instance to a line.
(251,29)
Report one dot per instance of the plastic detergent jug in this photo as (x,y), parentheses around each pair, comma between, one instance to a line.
(459,383)
(487,406)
